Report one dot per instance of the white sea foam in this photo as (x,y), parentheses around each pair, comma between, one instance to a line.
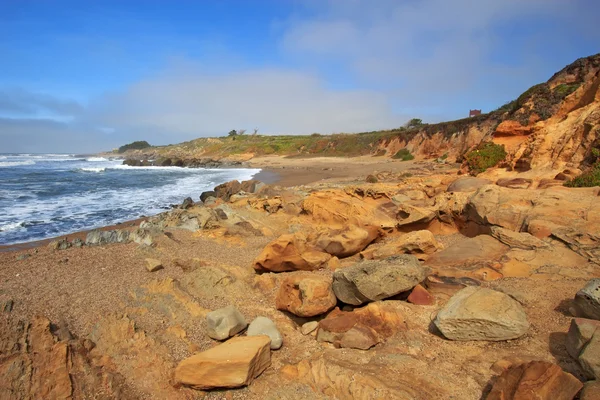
(98,169)
(16,163)
(10,226)
(96,159)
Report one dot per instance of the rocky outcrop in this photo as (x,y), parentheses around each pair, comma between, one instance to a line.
(345,242)
(378,279)
(535,380)
(232,364)
(99,238)
(477,313)
(306,295)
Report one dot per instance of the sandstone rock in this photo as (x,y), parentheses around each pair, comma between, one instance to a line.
(264,326)
(580,333)
(362,328)
(309,327)
(519,240)
(306,295)
(153,265)
(584,243)
(234,363)
(225,322)
(144,236)
(420,296)
(513,128)
(535,380)
(375,280)
(587,300)
(408,215)
(290,252)
(345,242)
(106,237)
(477,313)
(514,183)
(187,203)
(589,358)
(467,184)
(250,185)
(590,391)
(419,243)
(225,190)
(482,248)
(448,285)
(207,194)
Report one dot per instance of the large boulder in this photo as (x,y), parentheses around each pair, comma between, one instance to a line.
(589,358)
(290,252)
(306,295)
(477,313)
(347,241)
(467,184)
(207,194)
(374,280)
(99,238)
(361,328)
(587,300)
(225,322)
(226,190)
(580,333)
(538,380)
(232,364)
(264,326)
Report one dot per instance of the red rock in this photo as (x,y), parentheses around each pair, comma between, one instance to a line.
(420,296)
(539,380)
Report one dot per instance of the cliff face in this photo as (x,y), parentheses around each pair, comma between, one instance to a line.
(553,125)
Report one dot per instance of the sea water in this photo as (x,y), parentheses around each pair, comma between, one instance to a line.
(48,195)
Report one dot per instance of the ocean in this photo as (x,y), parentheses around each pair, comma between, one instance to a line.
(48,195)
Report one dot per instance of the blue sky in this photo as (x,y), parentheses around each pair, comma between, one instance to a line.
(82,76)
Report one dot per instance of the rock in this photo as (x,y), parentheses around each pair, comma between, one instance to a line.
(420,296)
(590,391)
(482,248)
(371,179)
(234,363)
(100,238)
(144,236)
(584,243)
(77,242)
(518,240)
(264,326)
(514,183)
(309,327)
(580,333)
(408,215)
(375,280)
(477,313)
(538,380)
(587,300)
(347,241)
(448,285)
(251,185)
(153,265)
(225,190)
(207,194)
(589,358)
(22,257)
(419,243)
(513,128)
(467,184)
(187,203)
(225,322)
(290,252)
(306,295)
(209,201)
(362,328)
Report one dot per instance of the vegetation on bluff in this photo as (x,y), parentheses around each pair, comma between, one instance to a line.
(139,145)
(486,155)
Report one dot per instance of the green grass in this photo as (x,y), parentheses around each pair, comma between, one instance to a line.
(590,178)
(404,155)
(487,155)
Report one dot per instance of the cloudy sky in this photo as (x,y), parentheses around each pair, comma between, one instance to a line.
(86,76)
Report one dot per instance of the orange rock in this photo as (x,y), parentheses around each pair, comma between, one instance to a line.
(290,252)
(538,380)
(346,241)
(306,295)
(232,364)
(420,296)
(513,128)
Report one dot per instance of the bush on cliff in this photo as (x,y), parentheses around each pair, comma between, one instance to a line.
(589,178)
(485,156)
(404,155)
(141,144)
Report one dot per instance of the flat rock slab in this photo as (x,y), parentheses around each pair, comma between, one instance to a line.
(482,248)
(467,184)
(476,313)
(376,280)
(538,380)
(225,322)
(232,364)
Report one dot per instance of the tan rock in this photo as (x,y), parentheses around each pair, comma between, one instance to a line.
(306,295)
(580,333)
(535,380)
(589,358)
(346,241)
(153,265)
(467,184)
(514,183)
(419,243)
(590,391)
(232,364)
(519,240)
(408,215)
(309,327)
(290,252)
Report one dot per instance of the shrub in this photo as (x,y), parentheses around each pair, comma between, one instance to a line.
(142,144)
(404,155)
(486,155)
(589,178)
